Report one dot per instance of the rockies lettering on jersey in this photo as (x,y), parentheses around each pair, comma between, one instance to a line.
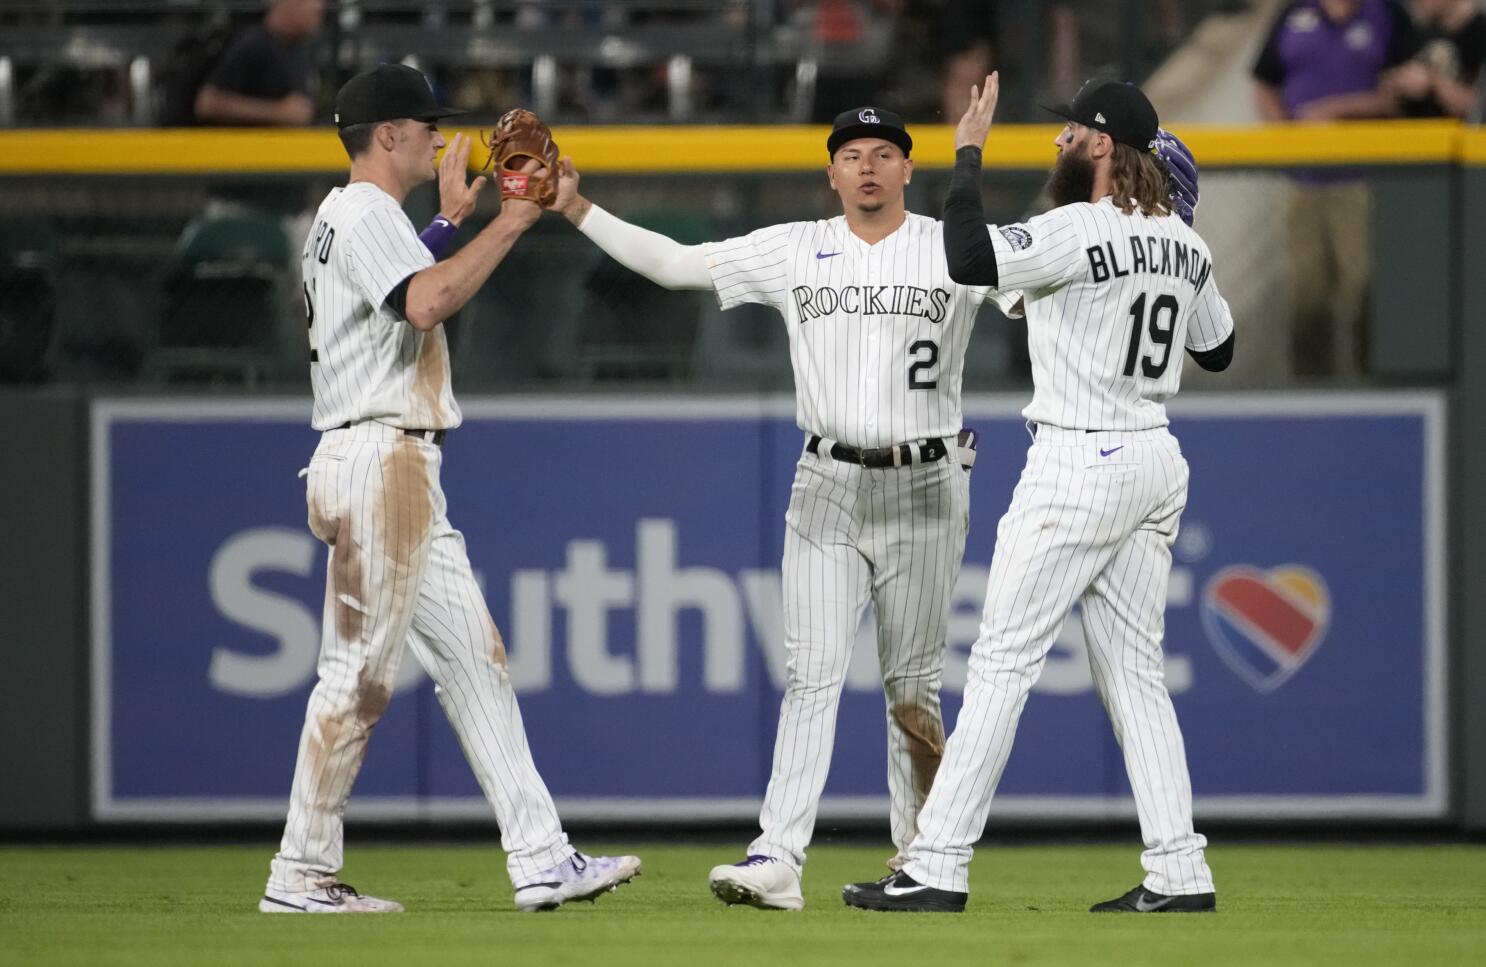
(875,300)
(877,333)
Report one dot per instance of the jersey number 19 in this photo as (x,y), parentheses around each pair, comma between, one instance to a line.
(1162,323)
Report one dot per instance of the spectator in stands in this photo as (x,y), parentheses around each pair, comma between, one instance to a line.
(267,74)
(1324,60)
(1440,81)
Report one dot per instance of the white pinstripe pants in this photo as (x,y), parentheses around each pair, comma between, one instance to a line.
(398,573)
(894,536)
(1097,531)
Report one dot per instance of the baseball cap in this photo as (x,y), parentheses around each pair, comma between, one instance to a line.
(868,122)
(387,92)
(1119,110)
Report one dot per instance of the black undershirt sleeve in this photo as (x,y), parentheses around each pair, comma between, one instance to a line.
(967,241)
(1217,359)
(397,299)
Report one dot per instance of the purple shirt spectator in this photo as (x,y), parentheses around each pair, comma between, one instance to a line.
(1324,61)
(1309,56)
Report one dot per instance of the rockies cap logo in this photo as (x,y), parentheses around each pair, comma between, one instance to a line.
(869,116)
(1100,118)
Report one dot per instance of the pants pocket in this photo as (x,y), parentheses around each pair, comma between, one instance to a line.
(322,500)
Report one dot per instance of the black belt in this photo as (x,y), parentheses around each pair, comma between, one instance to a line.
(436,437)
(897,455)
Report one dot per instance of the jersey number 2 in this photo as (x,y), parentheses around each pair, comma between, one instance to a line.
(309,316)
(922,364)
(1162,306)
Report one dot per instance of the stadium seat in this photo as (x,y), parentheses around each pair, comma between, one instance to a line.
(223,296)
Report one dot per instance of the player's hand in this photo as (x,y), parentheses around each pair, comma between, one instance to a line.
(567,184)
(572,205)
(524,211)
(456,197)
(976,124)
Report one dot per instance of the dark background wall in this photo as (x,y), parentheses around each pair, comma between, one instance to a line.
(43,610)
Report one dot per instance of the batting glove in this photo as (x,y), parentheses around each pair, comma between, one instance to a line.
(1181,173)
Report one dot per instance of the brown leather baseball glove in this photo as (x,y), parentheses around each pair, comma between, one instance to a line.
(519,137)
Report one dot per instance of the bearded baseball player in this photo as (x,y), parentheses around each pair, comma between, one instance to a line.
(1114,286)
(879,507)
(398,573)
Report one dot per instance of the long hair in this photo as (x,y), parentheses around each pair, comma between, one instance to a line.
(1138,180)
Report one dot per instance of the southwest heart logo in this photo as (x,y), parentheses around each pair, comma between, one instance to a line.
(1266,624)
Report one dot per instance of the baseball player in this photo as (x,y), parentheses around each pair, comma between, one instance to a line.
(398,573)
(879,507)
(1113,287)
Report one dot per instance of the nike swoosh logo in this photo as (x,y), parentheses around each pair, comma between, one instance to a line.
(891,890)
(1105,453)
(826,255)
(1145,905)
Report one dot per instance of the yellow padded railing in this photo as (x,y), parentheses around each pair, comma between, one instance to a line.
(719,149)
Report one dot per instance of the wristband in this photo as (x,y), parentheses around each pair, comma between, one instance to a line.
(436,236)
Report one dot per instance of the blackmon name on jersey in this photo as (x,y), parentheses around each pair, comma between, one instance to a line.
(1160,256)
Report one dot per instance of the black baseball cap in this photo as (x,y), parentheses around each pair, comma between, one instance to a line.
(868,122)
(1118,109)
(387,92)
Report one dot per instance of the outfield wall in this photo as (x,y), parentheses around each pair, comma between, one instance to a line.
(630,555)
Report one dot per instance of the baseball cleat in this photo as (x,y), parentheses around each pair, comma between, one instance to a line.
(758,881)
(578,877)
(330,896)
(902,892)
(1141,900)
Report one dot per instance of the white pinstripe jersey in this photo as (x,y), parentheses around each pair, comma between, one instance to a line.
(877,333)
(1111,300)
(367,361)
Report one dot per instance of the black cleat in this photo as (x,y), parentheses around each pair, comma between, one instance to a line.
(1141,900)
(902,892)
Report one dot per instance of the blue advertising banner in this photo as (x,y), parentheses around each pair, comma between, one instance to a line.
(630,554)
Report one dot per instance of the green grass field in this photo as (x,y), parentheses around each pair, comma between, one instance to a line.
(1277,904)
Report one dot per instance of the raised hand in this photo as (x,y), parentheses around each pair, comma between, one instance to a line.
(571,204)
(976,124)
(456,196)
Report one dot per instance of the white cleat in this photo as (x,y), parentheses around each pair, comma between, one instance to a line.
(759,881)
(329,896)
(578,877)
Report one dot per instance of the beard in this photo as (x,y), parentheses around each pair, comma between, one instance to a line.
(1071,180)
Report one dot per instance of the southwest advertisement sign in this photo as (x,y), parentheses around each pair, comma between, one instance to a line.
(630,550)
